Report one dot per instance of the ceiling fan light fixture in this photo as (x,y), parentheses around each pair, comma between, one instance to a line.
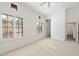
(48,3)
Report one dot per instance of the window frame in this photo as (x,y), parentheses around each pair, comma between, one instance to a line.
(13,26)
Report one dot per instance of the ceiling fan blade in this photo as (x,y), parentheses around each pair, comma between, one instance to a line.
(49,4)
(43,3)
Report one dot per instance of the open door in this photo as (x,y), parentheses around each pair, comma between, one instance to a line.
(78,32)
(48,22)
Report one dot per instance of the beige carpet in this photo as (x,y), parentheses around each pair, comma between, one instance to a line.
(48,47)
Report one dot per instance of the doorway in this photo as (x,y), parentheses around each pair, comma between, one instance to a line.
(48,22)
(71,31)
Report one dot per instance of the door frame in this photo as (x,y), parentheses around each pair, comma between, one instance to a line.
(66,30)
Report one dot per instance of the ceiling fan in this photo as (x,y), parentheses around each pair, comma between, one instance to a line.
(48,3)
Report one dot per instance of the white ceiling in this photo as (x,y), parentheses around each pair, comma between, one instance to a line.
(54,6)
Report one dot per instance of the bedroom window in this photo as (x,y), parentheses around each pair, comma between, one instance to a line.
(7,26)
(12,27)
(19,27)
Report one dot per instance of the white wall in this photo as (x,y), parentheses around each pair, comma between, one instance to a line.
(73,14)
(58,25)
(30,32)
